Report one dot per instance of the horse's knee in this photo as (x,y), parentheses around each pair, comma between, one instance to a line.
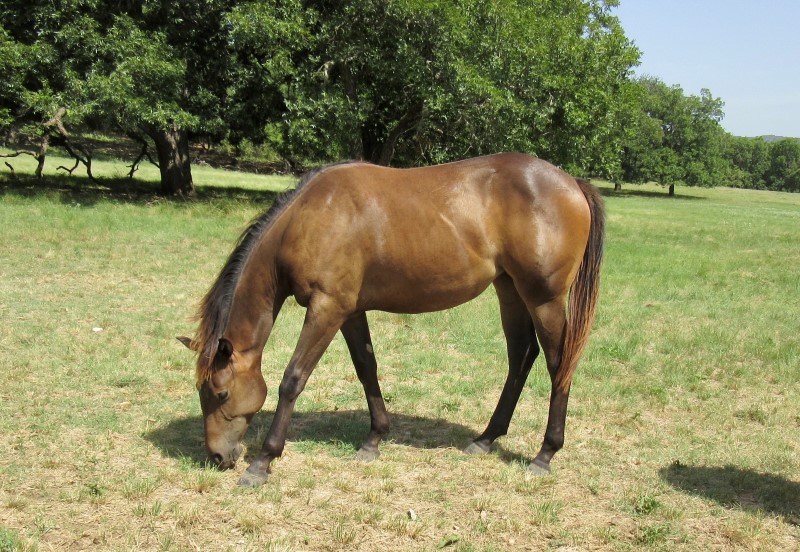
(290,387)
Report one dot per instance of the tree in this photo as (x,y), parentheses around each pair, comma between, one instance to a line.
(425,81)
(150,69)
(405,81)
(39,84)
(676,138)
(140,88)
(749,159)
(784,167)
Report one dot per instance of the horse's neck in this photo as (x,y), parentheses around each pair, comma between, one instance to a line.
(257,299)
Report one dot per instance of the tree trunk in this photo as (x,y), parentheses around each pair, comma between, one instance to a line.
(380,150)
(172,147)
(355,146)
(671,190)
(617,187)
(42,155)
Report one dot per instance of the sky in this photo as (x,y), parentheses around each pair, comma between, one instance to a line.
(746,52)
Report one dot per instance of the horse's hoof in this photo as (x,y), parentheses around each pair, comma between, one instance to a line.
(538,469)
(476,448)
(366,455)
(253,479)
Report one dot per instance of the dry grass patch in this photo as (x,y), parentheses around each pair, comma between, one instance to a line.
(683,431)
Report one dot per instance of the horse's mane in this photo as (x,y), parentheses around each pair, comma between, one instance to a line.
(215,308)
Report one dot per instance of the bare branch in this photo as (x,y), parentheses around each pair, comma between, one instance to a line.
(13,174)
(145,152)
(60,137)
(75,166)
(18,153)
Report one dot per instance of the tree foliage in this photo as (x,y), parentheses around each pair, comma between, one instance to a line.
(406,82)
(436,80)
(676,138)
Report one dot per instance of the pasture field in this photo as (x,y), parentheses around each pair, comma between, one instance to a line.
(683,430)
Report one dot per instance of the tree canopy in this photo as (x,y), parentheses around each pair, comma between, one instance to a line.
(403,82)
(675,138)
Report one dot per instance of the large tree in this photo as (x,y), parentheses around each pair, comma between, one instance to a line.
(156,71)
(425,81)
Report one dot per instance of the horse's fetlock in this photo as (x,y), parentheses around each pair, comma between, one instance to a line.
(554,442)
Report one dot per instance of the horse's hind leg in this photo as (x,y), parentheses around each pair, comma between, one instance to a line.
(550,322)
(356,334)
(522,352)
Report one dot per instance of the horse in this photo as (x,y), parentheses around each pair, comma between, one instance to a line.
(354,237)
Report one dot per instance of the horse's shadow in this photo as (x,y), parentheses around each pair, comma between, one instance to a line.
(735,487)
(183,437)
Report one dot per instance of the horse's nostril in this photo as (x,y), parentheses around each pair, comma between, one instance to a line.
(216,458)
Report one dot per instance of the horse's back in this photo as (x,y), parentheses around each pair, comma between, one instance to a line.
(428,238)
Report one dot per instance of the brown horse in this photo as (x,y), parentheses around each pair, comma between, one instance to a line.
(355,237)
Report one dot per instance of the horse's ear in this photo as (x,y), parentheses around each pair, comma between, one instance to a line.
(187,342)
(224,350)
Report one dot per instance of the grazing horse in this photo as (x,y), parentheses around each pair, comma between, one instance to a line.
(355,237)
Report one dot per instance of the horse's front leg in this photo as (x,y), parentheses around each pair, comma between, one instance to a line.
(323,319)
(356,334)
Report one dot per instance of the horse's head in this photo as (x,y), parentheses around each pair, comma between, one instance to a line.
(232,390)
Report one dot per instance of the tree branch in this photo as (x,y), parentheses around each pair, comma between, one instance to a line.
(60,137)
(145,152)
(13,174)
(39,156)
(75,166)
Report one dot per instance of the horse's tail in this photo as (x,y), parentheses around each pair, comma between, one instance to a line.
(584,291)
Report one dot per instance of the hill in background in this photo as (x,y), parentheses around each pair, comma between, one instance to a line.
(769,138)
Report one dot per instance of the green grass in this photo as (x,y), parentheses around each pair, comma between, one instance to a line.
(683,431)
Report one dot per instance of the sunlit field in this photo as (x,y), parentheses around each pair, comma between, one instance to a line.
(683,431)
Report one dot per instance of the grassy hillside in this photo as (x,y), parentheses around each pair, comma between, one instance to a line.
(683,431)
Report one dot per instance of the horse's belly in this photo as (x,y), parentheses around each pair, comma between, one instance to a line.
(414,290)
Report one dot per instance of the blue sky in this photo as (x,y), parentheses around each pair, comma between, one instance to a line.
(747,52)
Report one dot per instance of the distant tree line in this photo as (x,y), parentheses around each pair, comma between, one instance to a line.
(401,82)
(761,165)
(677,139)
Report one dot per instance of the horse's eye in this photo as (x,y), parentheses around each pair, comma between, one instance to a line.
(222,396)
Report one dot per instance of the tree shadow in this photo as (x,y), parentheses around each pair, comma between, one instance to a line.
(680,194)
(734,487)
(80,190)
(183,437)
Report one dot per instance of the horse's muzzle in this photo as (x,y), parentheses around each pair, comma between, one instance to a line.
(224,462)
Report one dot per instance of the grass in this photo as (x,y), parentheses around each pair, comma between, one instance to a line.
(683,432)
